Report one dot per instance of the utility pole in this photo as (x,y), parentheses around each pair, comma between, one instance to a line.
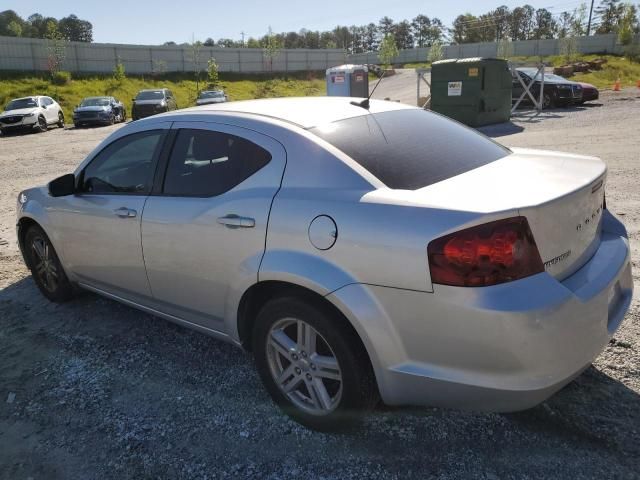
(590,15)
(242,33)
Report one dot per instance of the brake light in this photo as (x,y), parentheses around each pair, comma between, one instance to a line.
(488,254)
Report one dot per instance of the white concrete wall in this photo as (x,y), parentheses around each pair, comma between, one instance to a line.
(593,44)
(31,54)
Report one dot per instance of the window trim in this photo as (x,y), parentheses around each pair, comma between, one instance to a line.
(154,165)
(163,164)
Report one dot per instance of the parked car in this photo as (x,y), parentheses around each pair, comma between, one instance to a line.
(151,102)
(99,110)
(31,113)
(558,91)
(207,97)
(589,92)
(359,253)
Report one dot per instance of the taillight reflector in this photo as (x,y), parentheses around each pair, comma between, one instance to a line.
(488,254)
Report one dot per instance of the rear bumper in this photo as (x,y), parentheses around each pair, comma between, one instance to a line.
(500,348)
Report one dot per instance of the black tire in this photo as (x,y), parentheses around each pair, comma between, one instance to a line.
(123,116)
(359,392)
(48,275)
(60,119)
(549,101)
(112,119)
(76,124)
(42,124)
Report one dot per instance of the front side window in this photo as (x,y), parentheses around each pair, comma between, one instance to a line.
(126,166)
(204,163)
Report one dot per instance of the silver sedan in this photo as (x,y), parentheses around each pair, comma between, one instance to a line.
(361,252)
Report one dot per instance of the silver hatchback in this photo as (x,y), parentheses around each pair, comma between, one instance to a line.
(359,253)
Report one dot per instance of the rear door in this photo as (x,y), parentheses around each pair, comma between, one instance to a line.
(204,231)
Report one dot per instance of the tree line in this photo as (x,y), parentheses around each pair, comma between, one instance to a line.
(69,28)
(527,23)
(502,23)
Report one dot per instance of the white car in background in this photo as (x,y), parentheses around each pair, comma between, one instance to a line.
(207,97)
(31,113)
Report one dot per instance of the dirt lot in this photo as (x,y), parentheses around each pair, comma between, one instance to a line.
(103,391)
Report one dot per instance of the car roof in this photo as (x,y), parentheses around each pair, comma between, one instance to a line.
(306,112)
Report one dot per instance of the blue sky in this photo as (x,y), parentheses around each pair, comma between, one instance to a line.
(157,21)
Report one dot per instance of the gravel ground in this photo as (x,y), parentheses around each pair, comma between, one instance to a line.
(95,390)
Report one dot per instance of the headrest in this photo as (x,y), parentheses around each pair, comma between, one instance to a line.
(209,145)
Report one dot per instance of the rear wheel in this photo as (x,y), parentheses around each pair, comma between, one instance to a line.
(60,119)
(45,266)
(312,364)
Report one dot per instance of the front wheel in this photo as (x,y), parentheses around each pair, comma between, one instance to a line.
(313,364)
(60,119)
(42,124)
(45,266)
(548,101)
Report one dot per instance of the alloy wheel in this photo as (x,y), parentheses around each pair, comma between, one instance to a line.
(304,366)
(45,265)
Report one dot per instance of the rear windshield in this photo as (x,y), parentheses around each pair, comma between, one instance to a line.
(411,149)
(150,95)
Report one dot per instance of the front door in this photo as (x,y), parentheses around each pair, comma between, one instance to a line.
(207,227)
(100,224)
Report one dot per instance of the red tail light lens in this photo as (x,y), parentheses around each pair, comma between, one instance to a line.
(492,253)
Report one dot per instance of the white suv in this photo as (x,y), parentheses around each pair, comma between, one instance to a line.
(31,113)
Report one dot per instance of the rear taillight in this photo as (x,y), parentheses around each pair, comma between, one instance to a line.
(488,254)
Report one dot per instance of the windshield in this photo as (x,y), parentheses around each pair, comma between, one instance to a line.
(211,94)
(95,102)
(413,148)
(22,103)
(150,95)
(548,77)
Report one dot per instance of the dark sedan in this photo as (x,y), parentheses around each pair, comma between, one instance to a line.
(589,92)
(558,91)
(99,111)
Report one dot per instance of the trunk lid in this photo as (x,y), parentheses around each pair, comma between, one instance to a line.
(560,194)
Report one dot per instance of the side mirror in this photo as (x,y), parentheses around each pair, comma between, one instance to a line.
(63,186)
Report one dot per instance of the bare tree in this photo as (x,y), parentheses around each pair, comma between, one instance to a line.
(271,48)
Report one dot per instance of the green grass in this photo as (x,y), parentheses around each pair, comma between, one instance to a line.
(616,67)
(237,87)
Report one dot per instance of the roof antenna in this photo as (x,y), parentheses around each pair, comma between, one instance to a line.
(365,103)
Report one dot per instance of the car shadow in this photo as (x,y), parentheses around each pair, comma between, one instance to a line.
(501,129)
(94,372)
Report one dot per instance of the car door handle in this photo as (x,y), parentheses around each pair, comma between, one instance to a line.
(124,212)
(236,221)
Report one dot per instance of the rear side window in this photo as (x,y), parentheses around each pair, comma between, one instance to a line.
(411,149)
(205,163)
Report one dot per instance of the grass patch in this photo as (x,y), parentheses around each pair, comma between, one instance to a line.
(616,67)
(237,86)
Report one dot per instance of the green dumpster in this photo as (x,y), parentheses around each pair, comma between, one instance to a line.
(474,91)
